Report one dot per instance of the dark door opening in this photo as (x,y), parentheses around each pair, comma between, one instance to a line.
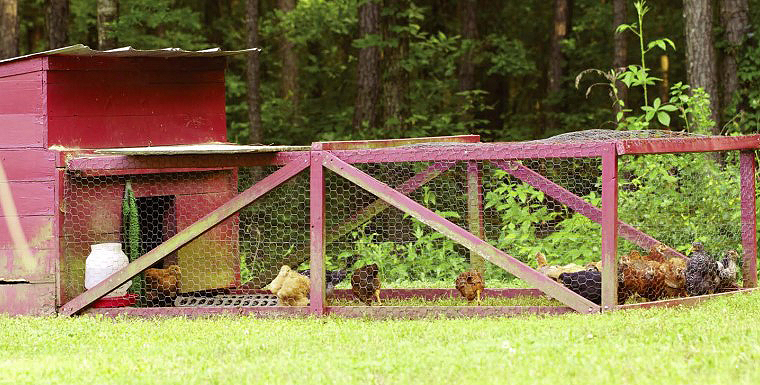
(158,222)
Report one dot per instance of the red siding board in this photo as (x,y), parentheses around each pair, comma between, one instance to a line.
(22,130)
(27,299)
(21,67)
(40,267)
(33,198)
(28,164)
(63,63)
(135,76)
(21,94)
(134,98)
(127,131)
(38,231)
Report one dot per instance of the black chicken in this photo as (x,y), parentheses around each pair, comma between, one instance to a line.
(701,272)
(334,277)
(588,284)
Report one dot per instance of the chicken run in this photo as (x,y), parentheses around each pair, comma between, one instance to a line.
(418,227)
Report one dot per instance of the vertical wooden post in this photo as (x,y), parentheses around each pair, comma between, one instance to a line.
(609,229)
(475,212)
(749,219)
(317,234)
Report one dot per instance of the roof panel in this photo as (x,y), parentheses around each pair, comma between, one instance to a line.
(83,50)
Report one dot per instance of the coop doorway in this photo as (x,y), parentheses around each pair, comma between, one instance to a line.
(158,222)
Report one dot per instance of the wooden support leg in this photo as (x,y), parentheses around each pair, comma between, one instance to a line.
(609,229)
(749,218)
(317,236)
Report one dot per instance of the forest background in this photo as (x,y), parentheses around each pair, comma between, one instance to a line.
(366,69)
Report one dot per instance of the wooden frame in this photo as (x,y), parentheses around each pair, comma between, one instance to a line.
(338,157)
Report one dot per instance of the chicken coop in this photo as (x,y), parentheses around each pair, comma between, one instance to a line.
(126,148)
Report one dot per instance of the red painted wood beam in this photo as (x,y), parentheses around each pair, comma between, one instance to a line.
(579,205)
(689,144)
(317,233)
(461,236)
(125,162)
(192,312)
(416,312)
(429,294)
(683,301)
(384,143)
(185,236)
(609,229)
(747,170)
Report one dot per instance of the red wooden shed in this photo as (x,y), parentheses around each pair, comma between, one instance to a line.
(74,100)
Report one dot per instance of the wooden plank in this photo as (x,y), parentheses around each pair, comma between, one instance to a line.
(475,212)
(37,231)
(609,229)
(101,63)
(688,301)
(22,131)
(185,236)
(28,164)
(32,198)
(461,236)
(192,312)
(199,149)
(416,312)
(747,171)
(317,232)
(130,131)
(39,267)
(27,299)
(78,78)
(158,162)
(384,143)
(21,94)
(434,152)
(135,98)
(20,67)
(697,144)
(436,294)
(579,205)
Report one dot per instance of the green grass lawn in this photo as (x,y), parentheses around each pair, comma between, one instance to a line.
(714,343)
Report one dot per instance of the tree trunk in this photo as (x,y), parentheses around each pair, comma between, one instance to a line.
(395,104)
(108,11)
(620,59)
(8,28)
(368,68)
(256,131)
(700,53)
(468,28)
(734,17)
(57,20)
(556,58)
(289,79)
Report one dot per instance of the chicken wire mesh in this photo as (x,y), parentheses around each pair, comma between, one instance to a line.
(543,211)
(225,266)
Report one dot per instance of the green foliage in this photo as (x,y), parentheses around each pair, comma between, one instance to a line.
(130,220)
(152,24)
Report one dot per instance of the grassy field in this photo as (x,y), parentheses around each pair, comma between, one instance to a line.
(715,343)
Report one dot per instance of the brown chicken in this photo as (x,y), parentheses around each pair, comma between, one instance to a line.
(554,271)
(470,285)
(162,285)
(291,288)
(365,284)
(653,276)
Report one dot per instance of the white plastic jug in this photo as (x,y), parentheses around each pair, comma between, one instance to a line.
(104,260)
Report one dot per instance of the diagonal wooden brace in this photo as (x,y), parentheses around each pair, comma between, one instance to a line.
(187,235)
(460,235)
(579,205)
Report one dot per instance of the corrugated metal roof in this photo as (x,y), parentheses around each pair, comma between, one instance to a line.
(83,50)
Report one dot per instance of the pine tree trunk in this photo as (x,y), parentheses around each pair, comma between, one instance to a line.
(468,28)
(395,104)
(734,17)
(620,60)
(108,11)
(289,79)
(556,58)
(256,131)
(8,28)
(700,53)
(368,68)
(57,20)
